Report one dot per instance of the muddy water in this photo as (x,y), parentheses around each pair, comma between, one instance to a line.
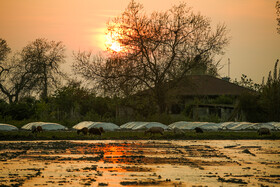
(140,163)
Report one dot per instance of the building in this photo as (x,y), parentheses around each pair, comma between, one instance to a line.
(206,96)
(198,96)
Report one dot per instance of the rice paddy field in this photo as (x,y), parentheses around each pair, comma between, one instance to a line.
(131,158)
(140,163)
(138,135)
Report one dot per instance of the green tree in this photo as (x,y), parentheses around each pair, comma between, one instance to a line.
(248,83)
(23,109)
(250,108)
(68,99)
(270,95)
(3,108)
(73,101)
(264,105)
(156,49)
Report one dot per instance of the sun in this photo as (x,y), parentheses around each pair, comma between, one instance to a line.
(111,42)
(115,46)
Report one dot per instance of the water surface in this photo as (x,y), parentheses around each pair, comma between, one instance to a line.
(140,163)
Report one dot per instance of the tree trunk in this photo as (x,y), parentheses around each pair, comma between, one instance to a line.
(10,99)
(161,101)
(45,86)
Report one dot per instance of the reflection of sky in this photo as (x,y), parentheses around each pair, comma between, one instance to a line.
(191,162)
(80,25)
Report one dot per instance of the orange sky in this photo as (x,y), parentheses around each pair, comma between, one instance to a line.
(80,24)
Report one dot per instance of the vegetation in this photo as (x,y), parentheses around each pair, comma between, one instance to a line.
(133,135)
(263,106)
(270,95)
(248,83)
(69,105)
(73,103)
(158,51)
(33,70)
(43,58)
(277,6)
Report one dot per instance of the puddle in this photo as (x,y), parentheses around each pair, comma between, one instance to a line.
(140,163)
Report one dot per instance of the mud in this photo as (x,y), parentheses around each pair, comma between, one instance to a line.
(140,163)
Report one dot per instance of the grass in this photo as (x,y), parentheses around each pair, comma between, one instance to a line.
(132,135)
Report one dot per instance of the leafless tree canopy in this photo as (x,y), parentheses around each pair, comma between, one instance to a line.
(277,6)
(156,49)
(4,49)
(44,57)
(32,70)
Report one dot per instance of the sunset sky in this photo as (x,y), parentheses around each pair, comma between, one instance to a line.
(80,25)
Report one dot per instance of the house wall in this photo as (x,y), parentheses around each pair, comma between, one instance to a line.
(204,111)
(125,113)
(226,113)
(200,112)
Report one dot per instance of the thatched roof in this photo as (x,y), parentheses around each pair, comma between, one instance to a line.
(199,85)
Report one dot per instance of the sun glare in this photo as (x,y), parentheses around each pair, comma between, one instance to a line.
(115,46)
(111,42)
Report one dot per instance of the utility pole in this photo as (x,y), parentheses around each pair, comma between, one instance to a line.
(228,67)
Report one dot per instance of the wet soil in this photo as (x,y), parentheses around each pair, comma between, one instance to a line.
(140,163)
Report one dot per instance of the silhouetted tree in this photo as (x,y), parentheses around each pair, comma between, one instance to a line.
(156,49)
(4,49)
(33,70)
(249,104)
(23,109)
(248,83)
(277,6)
(73,101)
(68,99)
(16,77)
(270,95)
(263,106)
(3,108)
(45,57)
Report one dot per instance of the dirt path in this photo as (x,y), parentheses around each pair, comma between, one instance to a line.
(141,163)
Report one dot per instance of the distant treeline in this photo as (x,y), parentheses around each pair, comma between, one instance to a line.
(264,104)
(31,89)
(73,103)
(159,50)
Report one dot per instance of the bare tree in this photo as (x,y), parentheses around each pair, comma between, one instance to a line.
(30,70)
(157,50)
(44,57)
(4,49)
(16,80)
(277,6)
(15,77)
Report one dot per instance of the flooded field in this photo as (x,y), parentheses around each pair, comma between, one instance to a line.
(140,163)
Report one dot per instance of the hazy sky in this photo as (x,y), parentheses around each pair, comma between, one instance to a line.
(80,25)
